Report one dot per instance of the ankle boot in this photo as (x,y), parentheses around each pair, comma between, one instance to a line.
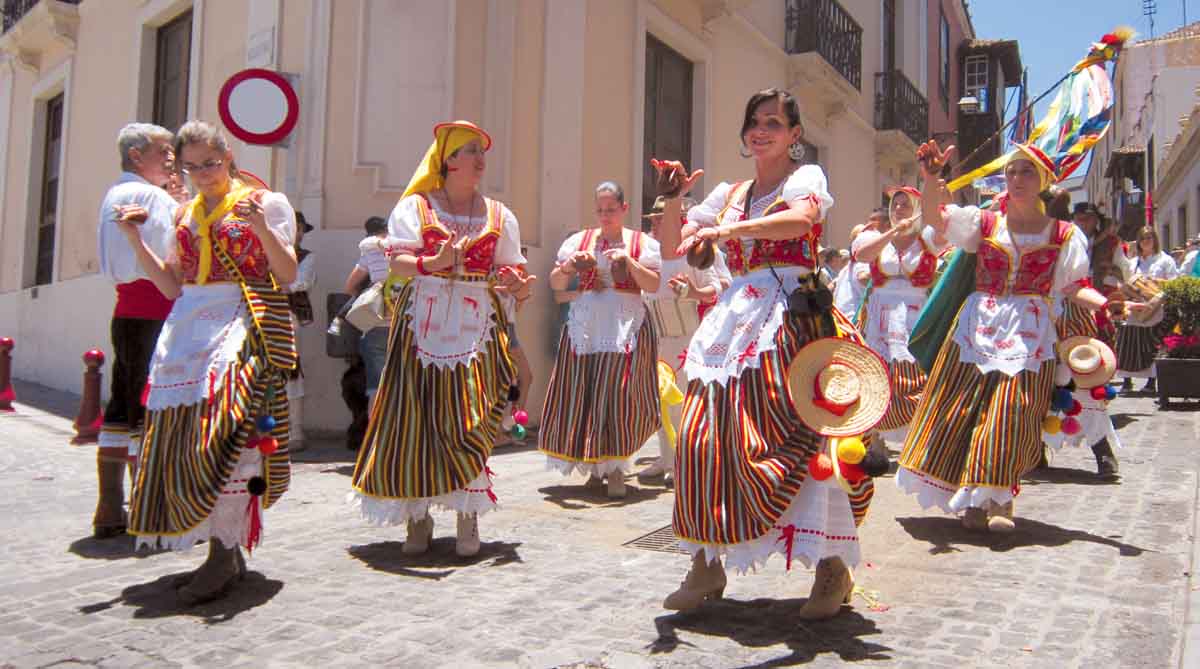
(420,533)
(616,485)
(1151,386)
(468,535)
(975,518)
(831,589)
(109,519)
(1000,518)
(594,482)
(213,579)
(705,580)
(1106,461)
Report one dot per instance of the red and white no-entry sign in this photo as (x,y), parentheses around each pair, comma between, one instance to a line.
(258,106)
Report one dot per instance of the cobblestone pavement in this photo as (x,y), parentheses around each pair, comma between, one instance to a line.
(1095,575)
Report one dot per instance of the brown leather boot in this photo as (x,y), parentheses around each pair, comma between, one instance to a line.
(212,580)
(975,518)
(1000,518)
(831,589)
(109,519)
(705,580)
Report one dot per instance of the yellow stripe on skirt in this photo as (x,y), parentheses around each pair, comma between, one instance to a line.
(601,407)
(190,451)
(432,428)
(908,382)
(976,429)
(742,450)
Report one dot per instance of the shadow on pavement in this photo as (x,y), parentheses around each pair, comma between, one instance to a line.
(116,548)
(1063,475)
(158,599)
(435,564)
(761,623)
(580,496)
(946,534)
(47,399)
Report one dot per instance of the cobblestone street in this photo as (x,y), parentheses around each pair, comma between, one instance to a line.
(1096,575)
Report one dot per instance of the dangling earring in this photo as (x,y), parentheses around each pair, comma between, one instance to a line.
(796,151)
(744,152)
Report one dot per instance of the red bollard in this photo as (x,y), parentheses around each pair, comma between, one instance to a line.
(7,394)
(89,420)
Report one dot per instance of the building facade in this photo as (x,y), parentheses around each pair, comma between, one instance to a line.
(572,91)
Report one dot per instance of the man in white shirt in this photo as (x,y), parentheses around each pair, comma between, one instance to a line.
(147,160)
(1189,258)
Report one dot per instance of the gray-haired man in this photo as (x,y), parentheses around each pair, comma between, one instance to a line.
(147,161)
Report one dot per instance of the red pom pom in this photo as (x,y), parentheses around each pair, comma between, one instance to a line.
(852,473)
(819,467)
(520,417)
(1099,393)
(1076,408)
(1070,426)
(253,441)
(268,445)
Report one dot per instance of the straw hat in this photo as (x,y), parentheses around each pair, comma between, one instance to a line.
(1091,361)
(839,388)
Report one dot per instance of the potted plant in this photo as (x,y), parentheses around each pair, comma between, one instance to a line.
(1178,365)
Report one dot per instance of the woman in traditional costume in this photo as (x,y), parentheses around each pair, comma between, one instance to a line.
(446,379)
(743,487)
(977,428)
(215,453)
(602,402)
(1137,344)
(903,261)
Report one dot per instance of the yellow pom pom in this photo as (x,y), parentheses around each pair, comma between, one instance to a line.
(851,450)
(1051,425)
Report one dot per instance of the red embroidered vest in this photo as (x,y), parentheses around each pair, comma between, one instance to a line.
(234,235)
(921,277)
(587,280)
(1034,267)
(480,252)
(796,252)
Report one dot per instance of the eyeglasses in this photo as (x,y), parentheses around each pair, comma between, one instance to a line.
(208,166)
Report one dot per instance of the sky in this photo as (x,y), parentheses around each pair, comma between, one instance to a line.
(1055,34)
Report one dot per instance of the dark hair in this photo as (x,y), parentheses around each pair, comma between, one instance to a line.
(790,107)
(1149,230)
(879,212)
(611,188)
(375,225)
(1058,203)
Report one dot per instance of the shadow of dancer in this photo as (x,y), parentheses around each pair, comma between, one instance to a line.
(157,598)
(386,556)
(761,623)
(945,532)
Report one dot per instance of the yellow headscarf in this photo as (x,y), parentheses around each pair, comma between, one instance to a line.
(1039,159)
(447,138)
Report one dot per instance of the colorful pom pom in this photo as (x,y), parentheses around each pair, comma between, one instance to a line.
(256,486)
(1070,426)
(252,442)
(851,450)
(1110,392)
(1051,425)
(521,417)
(265,424)
(820,467)
(268,445)
(852,473)
(518,432)
(1075,409)
(1099,393)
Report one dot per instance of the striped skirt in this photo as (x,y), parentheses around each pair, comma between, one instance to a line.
(194,467)
(431,428)
(974,435)
(1137,346)
(742,488)
(908,382)
(601,407)
(1077,321)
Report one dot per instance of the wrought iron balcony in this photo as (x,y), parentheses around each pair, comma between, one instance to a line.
(825,27)
(899,105)
(13,10)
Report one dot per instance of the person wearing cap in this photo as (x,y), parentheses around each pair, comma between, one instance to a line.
(1109,259)
(850,286)
(977,428)
(447,375)
(302,314)
(674,310)
(602,401)
(215,454)
(1137,344)
(147,162)
(743,486)
(903,258)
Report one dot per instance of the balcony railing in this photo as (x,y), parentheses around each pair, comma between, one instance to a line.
(827,28)
(899,105)
(13,10)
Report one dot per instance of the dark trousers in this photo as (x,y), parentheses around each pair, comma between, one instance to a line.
(133,341)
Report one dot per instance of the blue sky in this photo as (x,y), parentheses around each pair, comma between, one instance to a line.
(1055,34)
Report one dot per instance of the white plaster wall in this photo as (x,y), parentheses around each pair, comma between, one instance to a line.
(1187,191)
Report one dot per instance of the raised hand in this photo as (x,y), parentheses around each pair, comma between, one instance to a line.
(673,178)
(250,210)
(932,159)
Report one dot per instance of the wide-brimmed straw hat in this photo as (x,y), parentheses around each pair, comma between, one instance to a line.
(839,388)
(1091,361)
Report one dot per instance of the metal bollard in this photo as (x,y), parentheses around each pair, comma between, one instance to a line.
(7,394)
(89,420)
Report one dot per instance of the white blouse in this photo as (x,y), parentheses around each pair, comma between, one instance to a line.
(117,259)
(1158,266)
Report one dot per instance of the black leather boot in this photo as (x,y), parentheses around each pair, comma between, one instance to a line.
(1106,461)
